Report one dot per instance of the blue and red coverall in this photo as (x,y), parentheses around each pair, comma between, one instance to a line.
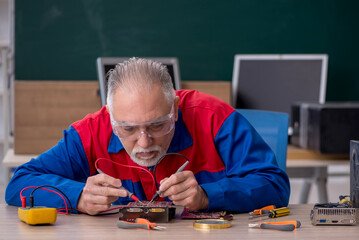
(230,161)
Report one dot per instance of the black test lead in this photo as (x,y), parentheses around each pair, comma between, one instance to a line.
(158,193)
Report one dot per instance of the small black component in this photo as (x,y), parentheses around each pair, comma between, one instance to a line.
(159,212)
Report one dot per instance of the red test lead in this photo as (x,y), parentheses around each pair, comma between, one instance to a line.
(129,194)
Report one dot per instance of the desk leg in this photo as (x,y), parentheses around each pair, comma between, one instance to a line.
(321,181)
(304,192)
(317,175)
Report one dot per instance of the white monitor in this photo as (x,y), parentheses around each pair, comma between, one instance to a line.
(275,82)
(104,64)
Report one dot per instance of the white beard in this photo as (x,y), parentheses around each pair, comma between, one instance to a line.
(148,161)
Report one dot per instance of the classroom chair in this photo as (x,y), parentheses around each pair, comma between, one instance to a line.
(273,127)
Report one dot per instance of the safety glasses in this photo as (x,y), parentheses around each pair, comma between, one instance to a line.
(154,129)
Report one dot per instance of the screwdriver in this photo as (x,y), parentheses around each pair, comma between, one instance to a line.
(278,212)
(139,223)
(282,226)
(129,194)
(158,193)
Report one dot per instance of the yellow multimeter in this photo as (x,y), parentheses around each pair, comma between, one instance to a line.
(37,215)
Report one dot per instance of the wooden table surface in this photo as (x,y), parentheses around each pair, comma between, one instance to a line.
(104,227)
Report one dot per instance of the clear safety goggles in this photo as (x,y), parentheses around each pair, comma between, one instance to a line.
(155,128)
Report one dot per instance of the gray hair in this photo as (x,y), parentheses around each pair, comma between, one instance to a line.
(139,73)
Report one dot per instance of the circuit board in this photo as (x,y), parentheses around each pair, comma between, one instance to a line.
(159,211)
(148,204)
(206,215)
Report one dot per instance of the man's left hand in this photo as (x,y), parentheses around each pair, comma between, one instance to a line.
(183,189)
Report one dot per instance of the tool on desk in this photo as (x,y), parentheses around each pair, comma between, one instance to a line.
(262,210)
(211,224)
(40,215)
(140,223)
(158,193)
(333,214)
(278,212)
(282,226)
(37,215)
(129,194)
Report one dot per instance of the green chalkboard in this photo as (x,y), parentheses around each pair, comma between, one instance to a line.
(61,39)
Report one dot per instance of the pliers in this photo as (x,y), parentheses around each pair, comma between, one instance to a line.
(140,223)
(263,210)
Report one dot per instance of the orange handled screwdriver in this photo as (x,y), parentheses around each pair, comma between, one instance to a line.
(281,226)
(296,224)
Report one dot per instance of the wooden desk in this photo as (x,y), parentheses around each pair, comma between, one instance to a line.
(104,227)
(297,153)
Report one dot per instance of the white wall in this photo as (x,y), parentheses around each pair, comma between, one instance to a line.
(4,20)
(4,40)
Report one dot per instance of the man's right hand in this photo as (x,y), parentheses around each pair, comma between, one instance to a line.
(98,194)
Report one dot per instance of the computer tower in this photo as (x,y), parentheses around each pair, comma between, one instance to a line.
(354,173)
(327,128)
(299,124)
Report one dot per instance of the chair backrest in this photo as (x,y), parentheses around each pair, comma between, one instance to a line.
(273,127)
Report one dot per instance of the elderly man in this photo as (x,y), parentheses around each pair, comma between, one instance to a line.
(230,166)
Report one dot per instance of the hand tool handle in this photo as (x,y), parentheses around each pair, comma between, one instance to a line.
(263,210)
(285,227)
(129,225)
(145,221)
(284,211)
(296,224)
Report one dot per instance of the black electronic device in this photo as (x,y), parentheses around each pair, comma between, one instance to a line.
(354,173)
(327,128)
(160,211)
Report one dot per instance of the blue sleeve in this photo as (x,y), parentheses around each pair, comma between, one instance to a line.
(252,176)
(64,166)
